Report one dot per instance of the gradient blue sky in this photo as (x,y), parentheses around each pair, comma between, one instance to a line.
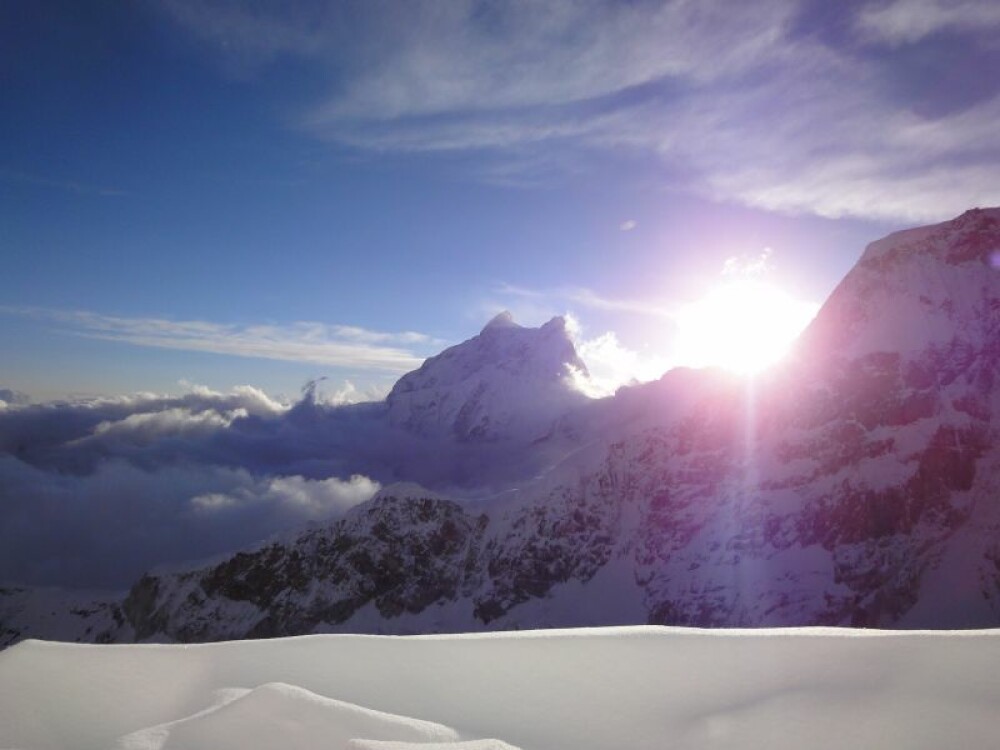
(226,193)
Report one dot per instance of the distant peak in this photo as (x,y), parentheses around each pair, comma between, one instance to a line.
(558,323)
(501,320)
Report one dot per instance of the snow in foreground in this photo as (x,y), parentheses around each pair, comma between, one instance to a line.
(630,687)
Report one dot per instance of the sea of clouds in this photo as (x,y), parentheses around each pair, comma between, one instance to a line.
(93,492)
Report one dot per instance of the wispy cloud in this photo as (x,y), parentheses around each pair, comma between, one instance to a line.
(71,186)
(587,298)
(317,343)
(907,21)
(747,264)
(737,102)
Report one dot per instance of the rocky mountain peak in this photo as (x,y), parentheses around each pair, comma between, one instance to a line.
(508,381)
(499,321)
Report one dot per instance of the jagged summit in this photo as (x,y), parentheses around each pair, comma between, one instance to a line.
(508,381)
(505,320)
(501,320)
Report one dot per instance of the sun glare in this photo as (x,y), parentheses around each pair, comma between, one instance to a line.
(743,326)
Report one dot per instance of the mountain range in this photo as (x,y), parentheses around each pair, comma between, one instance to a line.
(856,484)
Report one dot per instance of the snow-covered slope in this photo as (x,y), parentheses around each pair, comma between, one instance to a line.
(916,292)
(636,688)
(508,381)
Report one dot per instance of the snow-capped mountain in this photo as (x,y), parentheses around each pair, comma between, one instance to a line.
(857,485)
(509,381)
(915,291)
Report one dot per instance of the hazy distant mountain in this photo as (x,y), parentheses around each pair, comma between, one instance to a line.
(857,485)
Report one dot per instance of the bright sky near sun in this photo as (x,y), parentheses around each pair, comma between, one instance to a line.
(743,326)
(216,192)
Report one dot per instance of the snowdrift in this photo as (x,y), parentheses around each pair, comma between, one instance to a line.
(629,688)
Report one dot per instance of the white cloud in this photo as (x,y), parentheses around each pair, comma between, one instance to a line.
(248,35)
(747,265)
(247,398)
(735,101)
(907,21)
(588,298)
(348,393)
(317,343)
(427,58)
(106,527)
(628,225)
(772,145)
(611,365)
(146,428)
(306,499)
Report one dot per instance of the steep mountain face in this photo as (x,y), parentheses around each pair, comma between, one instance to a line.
(401,552)
(915,291)
(508,381)
(836,491)
(897,389)
(858,485)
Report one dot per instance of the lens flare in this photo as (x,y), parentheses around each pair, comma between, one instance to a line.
(743,326)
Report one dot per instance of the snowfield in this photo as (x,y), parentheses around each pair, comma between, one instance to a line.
(622,688)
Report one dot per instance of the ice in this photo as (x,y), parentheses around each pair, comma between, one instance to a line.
(587,689)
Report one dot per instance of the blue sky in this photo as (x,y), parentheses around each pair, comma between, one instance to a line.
(226,193)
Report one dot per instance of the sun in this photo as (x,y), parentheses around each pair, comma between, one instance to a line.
(744,326)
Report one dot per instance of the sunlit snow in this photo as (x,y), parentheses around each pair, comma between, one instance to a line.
(636,687)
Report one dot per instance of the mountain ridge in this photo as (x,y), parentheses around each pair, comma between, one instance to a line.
(832,491)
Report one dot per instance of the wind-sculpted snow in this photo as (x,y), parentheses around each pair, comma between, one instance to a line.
(637,688)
